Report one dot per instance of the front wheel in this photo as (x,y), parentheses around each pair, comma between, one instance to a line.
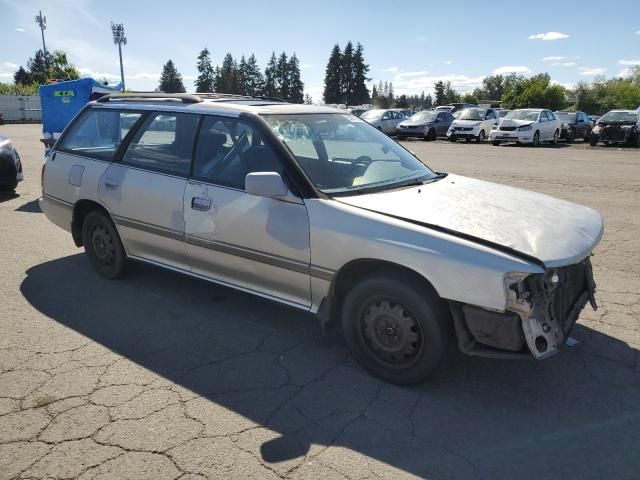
(495,143)
(536,139)
(103,246)
(396,330)
(480,137)
(571,135)
(453,138)
(556,135)
(431,135)
(594,141)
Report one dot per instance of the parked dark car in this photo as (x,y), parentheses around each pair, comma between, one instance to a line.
(427,124)
(617,126)
(574,125)
(10,166)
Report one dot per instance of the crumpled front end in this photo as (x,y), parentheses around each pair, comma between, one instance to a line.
(541,312)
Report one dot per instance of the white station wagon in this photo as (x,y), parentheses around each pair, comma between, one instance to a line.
(317,209)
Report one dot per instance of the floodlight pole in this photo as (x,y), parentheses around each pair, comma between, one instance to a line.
(119,39)
(42,23)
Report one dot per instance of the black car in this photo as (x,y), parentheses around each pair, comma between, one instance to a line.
(617,126)
(574,125)
(10,166)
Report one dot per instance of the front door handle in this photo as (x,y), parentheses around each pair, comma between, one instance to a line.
(110,184)
(200,204)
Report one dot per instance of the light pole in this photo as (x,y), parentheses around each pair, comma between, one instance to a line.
(42,23)
(119,39)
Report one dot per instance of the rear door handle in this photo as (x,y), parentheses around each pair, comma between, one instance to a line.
(200,204)
(110,184)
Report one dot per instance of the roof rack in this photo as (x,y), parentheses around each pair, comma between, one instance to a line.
(183,97)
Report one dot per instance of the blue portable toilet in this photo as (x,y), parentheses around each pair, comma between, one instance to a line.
(63,100)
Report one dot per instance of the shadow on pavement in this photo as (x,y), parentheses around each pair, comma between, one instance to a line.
(30,207)
(572,416)
(6,196)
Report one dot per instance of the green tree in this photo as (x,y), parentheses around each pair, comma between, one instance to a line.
(295,82)
(61,69)
(251,76)
(493,87)
(360,93)
(22,77)
(229,76)
(402,102)
(38,67)
(283,79)
(271,88)
(537,91)
(307,99)
(332,79)
(346,74)
(469,97)
(374,95)
(170,79)
(438,91)
(206,74)
(450,94)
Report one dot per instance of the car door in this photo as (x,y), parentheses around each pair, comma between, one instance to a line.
(442,123)
(258,244)
(385,122)
(490,120)
(544,126)
(144,190)
(583,125)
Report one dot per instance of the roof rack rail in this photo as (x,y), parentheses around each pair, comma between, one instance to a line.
(231,96)
(183,97)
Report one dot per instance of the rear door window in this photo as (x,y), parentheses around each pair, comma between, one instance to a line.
(98,133)
(164,143)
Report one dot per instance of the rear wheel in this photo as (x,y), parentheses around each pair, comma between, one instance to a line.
(103,246)
(571,135)
(396,330)
(495,143)
(480,137)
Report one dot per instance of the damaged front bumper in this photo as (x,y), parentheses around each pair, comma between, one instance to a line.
(541,312)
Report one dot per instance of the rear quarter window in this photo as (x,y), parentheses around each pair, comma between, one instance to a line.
(99,133)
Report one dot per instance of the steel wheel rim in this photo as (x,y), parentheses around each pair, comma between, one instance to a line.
(392,333)
(103,245)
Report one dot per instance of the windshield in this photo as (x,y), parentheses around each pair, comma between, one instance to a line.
(472,114)
(531,115)
(566,117)
(372,115)
(342,154)
(425,116)
(619,117)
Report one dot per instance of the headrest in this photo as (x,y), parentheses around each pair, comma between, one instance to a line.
(214,138)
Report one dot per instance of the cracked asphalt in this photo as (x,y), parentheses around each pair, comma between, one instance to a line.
(160,376)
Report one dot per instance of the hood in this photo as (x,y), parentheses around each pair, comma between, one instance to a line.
(465,123)
(553,231)
(509,122)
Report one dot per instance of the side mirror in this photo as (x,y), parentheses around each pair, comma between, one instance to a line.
(265,184)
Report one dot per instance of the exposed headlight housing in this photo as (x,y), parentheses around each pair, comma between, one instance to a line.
(494,127)
(525,128)
(596,129)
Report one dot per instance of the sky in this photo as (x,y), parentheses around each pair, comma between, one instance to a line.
(411,44)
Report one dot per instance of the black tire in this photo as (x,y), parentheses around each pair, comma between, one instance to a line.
(481,137)
(468,140)
(453,138)
(401,137)
(556,136)
(103,246)
(593,141)
(636,140)
(397,331)
(495,143)
(536,139)
(431,135)
(8,187)
(571,135)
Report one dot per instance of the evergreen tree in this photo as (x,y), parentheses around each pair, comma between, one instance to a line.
(252,77)
(332,79)
(22,77)
(295,82)
(438,91)
(450,94)
(346,74)
(229,78)
(38,66)
(360,70)
(374,95)
(170,79)
(271,88)
(402,102)
(282,77)
(428,101)
(242,70)
(307,99)
(206,75)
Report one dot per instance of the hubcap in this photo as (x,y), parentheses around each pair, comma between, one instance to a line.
(392,332)
(103,245)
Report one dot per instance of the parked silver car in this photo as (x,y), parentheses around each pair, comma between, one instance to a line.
(384,120)
(10,166)
(427,124)
(265,197)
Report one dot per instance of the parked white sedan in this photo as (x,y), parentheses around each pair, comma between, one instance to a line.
(527,125)
(473,123)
